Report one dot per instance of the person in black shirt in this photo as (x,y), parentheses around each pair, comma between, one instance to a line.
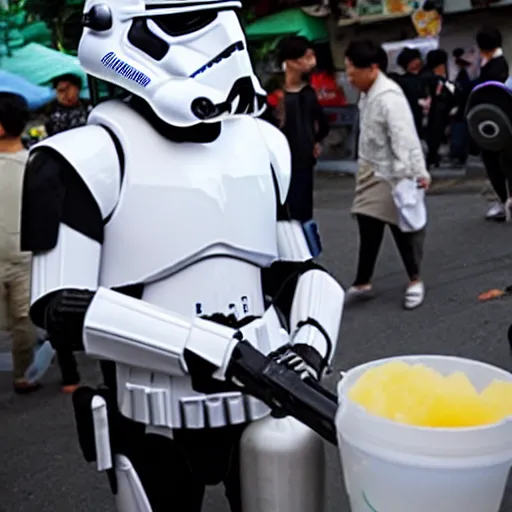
(412,83)
(302,120)
(494,68)
(68,110)
(459,135)
(442,101)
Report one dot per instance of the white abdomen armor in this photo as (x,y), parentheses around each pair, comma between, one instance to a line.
(194,224)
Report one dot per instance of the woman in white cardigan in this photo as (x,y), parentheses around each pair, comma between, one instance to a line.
(389,152)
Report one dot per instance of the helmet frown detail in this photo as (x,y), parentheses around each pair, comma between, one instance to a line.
(187,59)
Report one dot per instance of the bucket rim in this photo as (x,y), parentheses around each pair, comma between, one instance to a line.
(448,430)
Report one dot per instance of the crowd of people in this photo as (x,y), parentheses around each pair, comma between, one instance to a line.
(438,105)
(397,113)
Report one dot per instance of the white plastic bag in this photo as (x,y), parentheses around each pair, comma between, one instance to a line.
(410,204)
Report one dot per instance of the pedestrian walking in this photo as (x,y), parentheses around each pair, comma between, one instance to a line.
(494,67)
(389,153)
(15,265)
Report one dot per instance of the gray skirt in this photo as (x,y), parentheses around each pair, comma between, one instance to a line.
(374,199)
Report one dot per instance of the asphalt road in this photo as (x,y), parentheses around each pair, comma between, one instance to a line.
(41,469)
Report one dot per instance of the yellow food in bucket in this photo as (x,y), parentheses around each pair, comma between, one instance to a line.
(420,396)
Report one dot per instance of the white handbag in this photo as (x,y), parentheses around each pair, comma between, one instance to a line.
(410,204)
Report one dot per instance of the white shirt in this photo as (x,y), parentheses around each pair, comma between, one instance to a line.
(389,145)
(12,169)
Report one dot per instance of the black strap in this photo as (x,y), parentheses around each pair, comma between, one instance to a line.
(282,210)
(315,323)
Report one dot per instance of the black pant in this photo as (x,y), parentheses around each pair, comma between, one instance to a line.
(459,143)
(68,367)
(501,184)
(434,139)
(300,194)
(371,233)
(175,473)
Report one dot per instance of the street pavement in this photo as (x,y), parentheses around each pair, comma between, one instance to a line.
(42,469)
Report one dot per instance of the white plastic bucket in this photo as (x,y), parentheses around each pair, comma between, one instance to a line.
(392,467)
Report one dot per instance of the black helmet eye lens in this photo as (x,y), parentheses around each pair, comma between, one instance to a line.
(184,23)
(98,18)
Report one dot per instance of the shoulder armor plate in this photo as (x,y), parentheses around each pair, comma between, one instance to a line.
(92,153)
(280,157)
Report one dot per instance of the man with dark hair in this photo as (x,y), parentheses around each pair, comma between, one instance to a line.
(413,83)
(442,94)
(302,120)
(494,67)
(389,152)
(67,111)
(15,265)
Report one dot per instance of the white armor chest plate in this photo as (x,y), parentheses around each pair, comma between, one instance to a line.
(183,202)
(194,223)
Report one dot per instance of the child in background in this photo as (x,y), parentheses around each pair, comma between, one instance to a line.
(68,110)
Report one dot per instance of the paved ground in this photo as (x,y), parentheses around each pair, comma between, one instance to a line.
(41,468)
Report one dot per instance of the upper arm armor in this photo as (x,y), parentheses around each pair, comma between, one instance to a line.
(280,157)
(72,178)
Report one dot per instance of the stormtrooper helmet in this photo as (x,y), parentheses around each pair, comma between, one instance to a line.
(187,59)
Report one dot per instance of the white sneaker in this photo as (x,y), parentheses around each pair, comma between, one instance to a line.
(414,295)
(354,294)
(496,212)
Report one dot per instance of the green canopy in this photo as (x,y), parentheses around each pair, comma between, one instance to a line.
(37,32)
(40,65)
(290,21)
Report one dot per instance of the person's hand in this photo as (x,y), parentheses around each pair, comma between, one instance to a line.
(425,103)
(423,182)
(317,150)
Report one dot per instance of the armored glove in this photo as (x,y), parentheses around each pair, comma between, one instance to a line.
(302,359)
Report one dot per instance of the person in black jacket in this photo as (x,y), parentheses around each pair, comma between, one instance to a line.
(494,68)
(413,83)
(303,121)
(442,100)
(459,135)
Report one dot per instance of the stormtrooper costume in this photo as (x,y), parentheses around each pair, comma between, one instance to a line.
(162,247)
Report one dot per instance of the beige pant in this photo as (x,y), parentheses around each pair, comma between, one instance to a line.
(15,278)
